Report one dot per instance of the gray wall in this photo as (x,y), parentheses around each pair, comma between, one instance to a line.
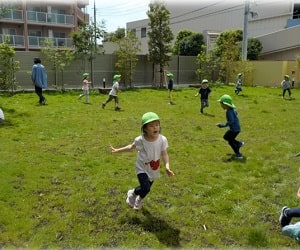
(182,67)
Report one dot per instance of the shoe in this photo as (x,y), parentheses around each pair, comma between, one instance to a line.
(137,203)
(103,105)
(131,196)
(201,111)
(283,219)
(44,102)
(117,108)
(292,230)
(238,156)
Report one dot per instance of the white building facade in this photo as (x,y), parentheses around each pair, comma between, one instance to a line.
(265,18)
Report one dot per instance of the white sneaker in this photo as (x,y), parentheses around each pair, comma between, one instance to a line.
(138,203)
(131,198)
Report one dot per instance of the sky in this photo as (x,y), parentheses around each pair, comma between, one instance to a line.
(116,13)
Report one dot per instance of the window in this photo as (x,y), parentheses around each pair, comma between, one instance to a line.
(143,32)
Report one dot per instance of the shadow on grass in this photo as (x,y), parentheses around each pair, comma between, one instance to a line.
(231,158)
(164,232)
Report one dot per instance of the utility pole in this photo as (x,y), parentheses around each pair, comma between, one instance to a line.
(93,51)
(245,31)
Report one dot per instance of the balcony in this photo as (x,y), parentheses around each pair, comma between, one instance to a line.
(35,42)
(50,18)
(16,41)
(16,15)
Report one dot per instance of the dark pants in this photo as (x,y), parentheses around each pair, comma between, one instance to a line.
(234,144)
(293,212)
(288,90)
(39,92)
(145,185)
(110,97)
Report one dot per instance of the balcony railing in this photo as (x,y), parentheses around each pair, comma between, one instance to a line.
(36,42)
(40,17)
(14,15)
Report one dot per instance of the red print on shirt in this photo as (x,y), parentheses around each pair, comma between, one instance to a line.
(154,164)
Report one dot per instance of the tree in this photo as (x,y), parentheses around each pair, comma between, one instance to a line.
(180,36)
(8,66)
(114,36)
(254,48)
(206,65)
(85,42)
(160,37)
(188,43)
(126,57)
(60,58)
(228,49)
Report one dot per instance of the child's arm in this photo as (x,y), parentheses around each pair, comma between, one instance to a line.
(127,148)
(165,158)
(298,193)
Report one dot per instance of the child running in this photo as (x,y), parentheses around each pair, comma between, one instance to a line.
(113,94)
(286,86)
(233,123)
(238,85)
(85,88)
(151,147)
(204,92)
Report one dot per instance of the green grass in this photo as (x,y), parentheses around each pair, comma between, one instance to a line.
(60,187)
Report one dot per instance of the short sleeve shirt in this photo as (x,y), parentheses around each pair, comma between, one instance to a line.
(149,154)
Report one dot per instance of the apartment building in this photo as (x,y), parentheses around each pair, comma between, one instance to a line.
(265,17)
(28,23)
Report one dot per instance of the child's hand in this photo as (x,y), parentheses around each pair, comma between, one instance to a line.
(219,125)
(298,193)
(113,150)
(169,172)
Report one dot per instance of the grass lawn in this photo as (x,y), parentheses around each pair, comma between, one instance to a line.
(60,187)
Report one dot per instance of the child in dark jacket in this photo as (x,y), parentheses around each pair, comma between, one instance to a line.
(233,123)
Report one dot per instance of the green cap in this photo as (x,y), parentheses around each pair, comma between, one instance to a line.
(149,117)
(170,75)
(287,76)
(116,77)
(84,75)
(204,81)
(227,100)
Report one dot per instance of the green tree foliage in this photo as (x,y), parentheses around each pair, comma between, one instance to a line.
(254,48)
(188,43)
(180,36)
(206,65)
(59,58)
(85,42)
(8,66)
(114,36)
(160,36)
(126,57)
(228,49)
(5,7)
(85,39)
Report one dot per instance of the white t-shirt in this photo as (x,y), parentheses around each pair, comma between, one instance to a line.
(114,89)
(2,117)
(149,153)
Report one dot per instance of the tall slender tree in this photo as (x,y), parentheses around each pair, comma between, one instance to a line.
(126,57)
(160,37)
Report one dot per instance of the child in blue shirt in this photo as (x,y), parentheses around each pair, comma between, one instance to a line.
(233,123)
